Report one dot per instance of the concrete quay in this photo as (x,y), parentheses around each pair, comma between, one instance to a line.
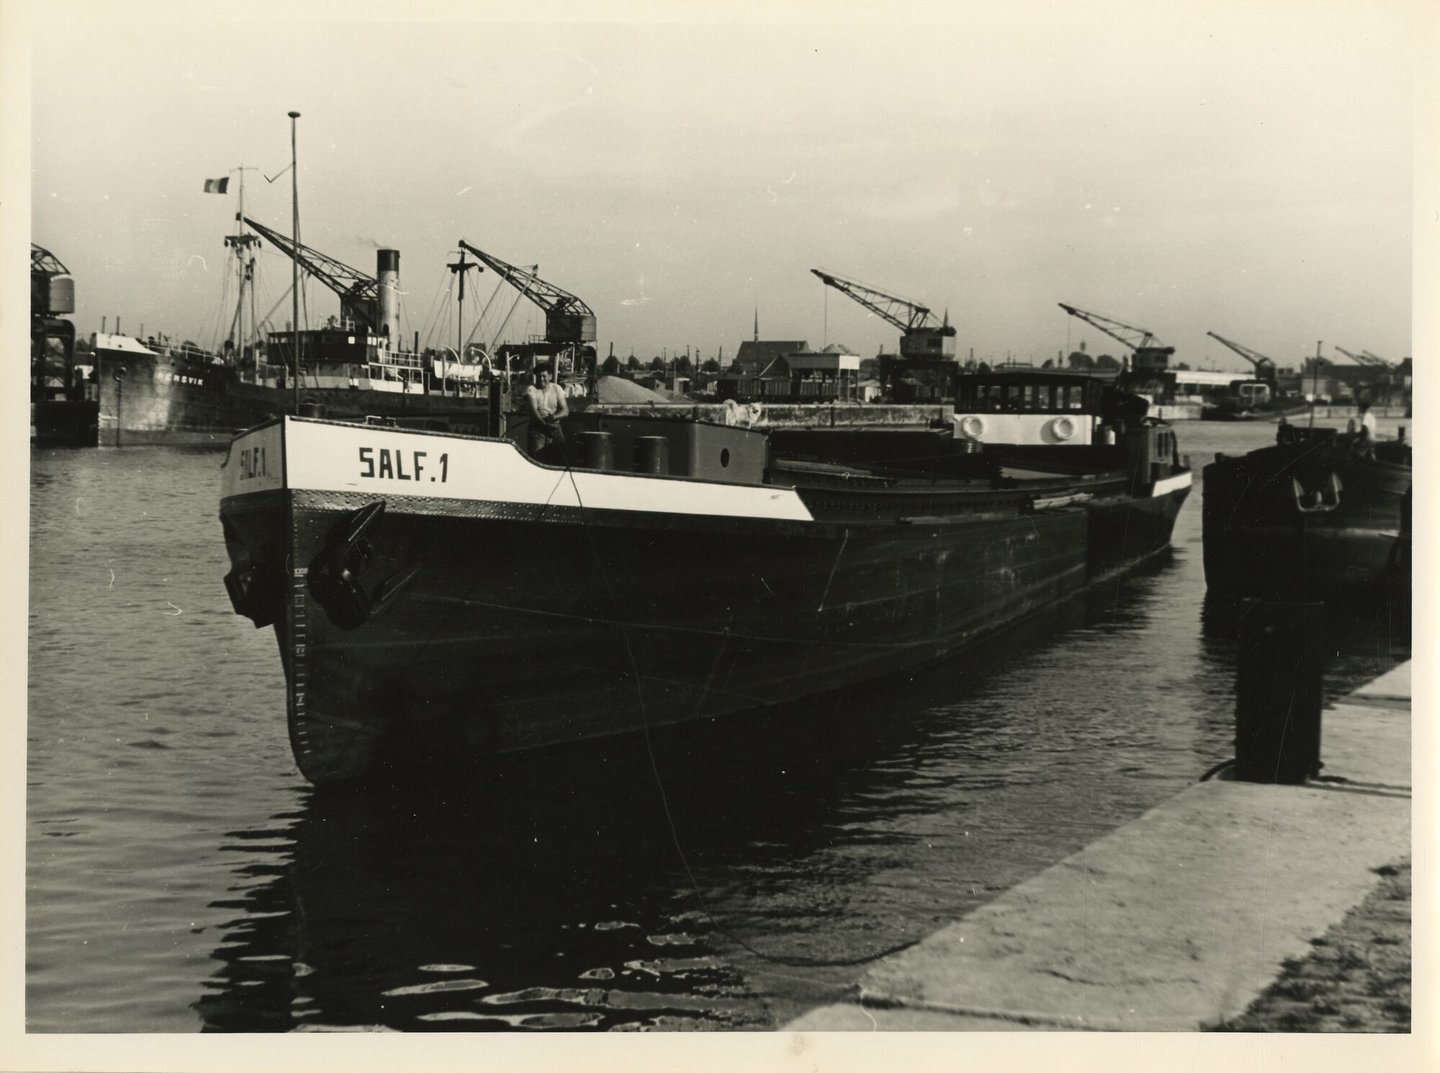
(797,415)
(1176,921)
(896,415)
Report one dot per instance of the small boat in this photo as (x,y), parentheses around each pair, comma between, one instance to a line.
(448,595)
(1320,514)
(1252,400)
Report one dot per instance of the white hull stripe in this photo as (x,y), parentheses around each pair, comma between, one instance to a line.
(1171,484)
(391,462)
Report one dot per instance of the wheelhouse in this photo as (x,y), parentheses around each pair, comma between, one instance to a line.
(1033,407)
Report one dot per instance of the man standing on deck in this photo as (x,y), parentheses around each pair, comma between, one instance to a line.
(1365,426)
(546,404)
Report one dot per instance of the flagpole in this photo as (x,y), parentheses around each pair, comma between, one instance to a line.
(295,263)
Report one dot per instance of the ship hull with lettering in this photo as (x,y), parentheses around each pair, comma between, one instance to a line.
(155,393)
(445,595)
(1319,514)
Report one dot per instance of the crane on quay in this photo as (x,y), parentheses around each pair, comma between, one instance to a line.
(1149,366)
(359,293)
(926,368)
(52,336)
(1148,355)
(1378,390)
(1365,358)
(1264,367)
(569,326)
(64,406)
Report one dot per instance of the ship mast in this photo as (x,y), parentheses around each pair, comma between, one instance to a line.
(244,270)
(295,265)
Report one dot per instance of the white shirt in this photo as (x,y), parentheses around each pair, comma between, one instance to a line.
(1366,423)
(547,400)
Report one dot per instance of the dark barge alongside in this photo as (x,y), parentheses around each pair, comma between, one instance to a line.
(448,594)
(1320,514)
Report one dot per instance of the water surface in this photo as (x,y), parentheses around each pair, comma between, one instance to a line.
(182,876)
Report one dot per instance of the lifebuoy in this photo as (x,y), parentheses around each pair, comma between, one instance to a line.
(1063,427)
(972,426)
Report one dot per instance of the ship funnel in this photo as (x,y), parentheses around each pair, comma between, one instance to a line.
(387,275)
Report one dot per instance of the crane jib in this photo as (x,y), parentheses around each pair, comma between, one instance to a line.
(896,311)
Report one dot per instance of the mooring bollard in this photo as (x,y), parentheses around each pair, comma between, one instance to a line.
(1279,691)
(597,450)
(652,454)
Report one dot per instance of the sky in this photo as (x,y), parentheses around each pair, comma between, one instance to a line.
(1237,167)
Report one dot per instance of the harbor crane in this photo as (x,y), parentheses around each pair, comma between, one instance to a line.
(568,320)
(1377,367)
(1149,356)
(569,326)
(359,293)
(1365,358)
(926,369)
(1264,367)
(64,399)
(52,300)
(920,335)
(45,298)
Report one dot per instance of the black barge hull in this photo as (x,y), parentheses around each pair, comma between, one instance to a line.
(556,605)
(1316,516)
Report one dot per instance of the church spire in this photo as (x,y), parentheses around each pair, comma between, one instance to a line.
(757,325)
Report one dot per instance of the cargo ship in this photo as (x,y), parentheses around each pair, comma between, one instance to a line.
(438,595)
(1321,514)
(154,391)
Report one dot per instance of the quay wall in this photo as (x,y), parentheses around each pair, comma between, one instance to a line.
(850,414)
(799,415)
(1178,920)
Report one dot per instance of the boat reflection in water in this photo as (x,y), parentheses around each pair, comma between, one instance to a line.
(1361,640)
(716,875)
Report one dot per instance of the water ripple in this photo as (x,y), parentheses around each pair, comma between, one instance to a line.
(170,838)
